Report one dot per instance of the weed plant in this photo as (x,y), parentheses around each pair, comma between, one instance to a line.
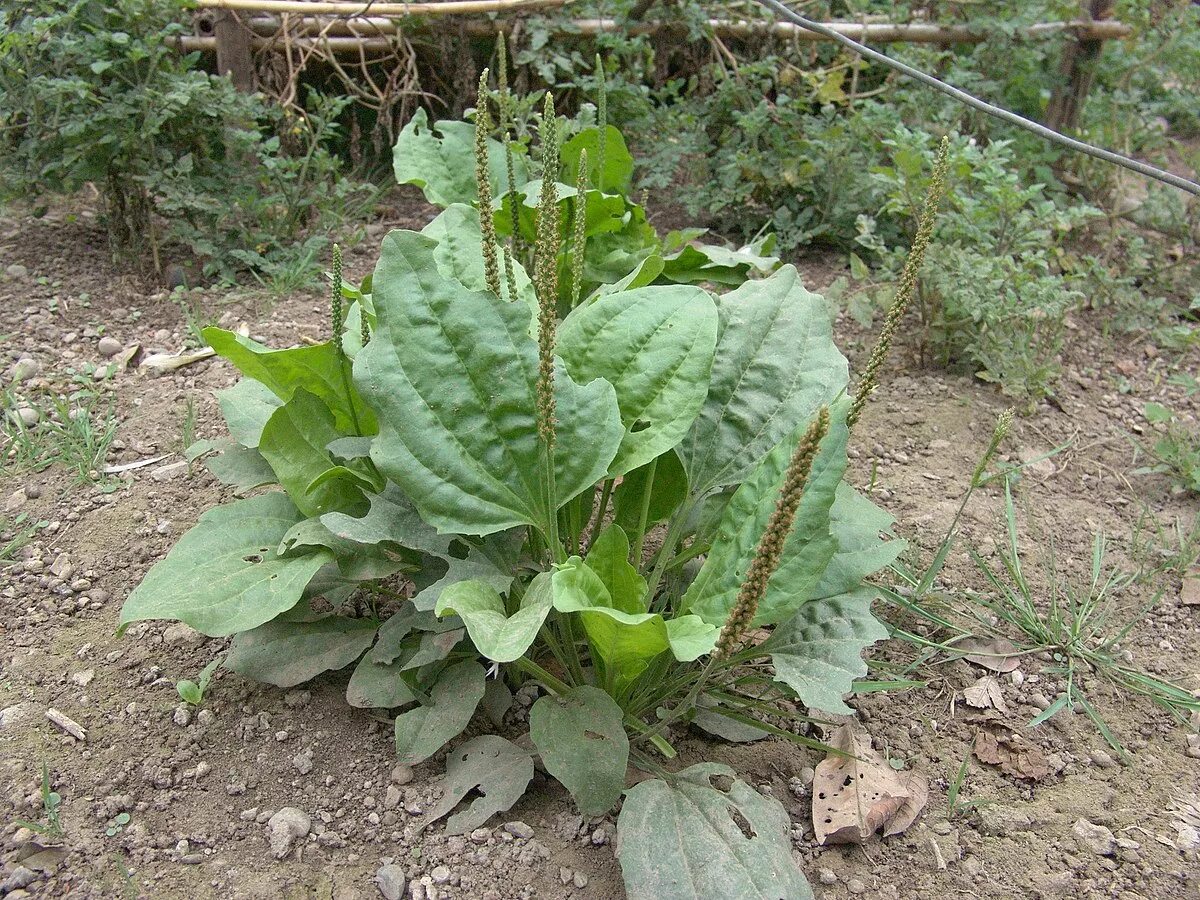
(598,477)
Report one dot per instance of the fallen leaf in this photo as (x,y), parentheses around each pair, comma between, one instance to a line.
(857,794)
(998,654)
(1189,593)
(1015,755)
(985,694)
(917,786)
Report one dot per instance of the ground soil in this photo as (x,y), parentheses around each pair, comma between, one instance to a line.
(199,786)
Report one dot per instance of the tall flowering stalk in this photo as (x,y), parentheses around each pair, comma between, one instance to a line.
(770,545)
(907,285)
(335,301)
(487,226)
(579,229)
(601,123)
(337,323)
(545,282)
(506,120)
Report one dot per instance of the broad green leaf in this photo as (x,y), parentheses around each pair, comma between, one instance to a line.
(643,274)
(695,261)
(818,652)
(432,647)
(856,524)
(809,545)
(294,443)
(242,468)
(669,490)
(441,160)
(475,566)
(286,654)
(391,518)
(224,576)
(378,680)
(497,770)
(618,162)
(357,562)
(459,254)
(422,731)
(453,375)
(690,637)
(706,834)
(378,685)
(498,636)
(318,369)
(608,557)
(707,717)
(624,642)
(775,364)
(246,407)
(582,742)
(655,346)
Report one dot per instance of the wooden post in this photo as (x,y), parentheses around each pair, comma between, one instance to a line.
(233,49)
(1076,71)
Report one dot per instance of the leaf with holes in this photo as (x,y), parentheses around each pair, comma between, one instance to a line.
(497,770)
(818,652)
(775,365)
(423,731)
(856,792)
(706,834)
(581,738)
(286,654)
(224,575)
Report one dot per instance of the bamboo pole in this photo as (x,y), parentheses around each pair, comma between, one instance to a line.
(367,31)
(344,8)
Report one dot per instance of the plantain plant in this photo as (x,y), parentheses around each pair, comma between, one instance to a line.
(536,449)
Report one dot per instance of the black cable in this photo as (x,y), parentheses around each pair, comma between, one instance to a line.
(998,112)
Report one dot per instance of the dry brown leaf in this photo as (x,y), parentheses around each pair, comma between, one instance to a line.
(917,786)
(1189,593)
(1012,753)
(856,795)
(985,694)
(997,654)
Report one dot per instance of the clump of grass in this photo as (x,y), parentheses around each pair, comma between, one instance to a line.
(1078,624)
(74,432)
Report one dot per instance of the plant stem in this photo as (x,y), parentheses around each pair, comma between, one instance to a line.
(667,549)
(644,515)
(605,492)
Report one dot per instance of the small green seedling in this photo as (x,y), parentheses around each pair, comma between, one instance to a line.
(954,793)
(192,692)
(117,824)
(51,804)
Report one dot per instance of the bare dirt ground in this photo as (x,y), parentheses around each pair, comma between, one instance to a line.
(199,786)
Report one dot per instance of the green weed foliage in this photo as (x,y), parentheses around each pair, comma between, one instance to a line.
(94,93)
(574,471)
